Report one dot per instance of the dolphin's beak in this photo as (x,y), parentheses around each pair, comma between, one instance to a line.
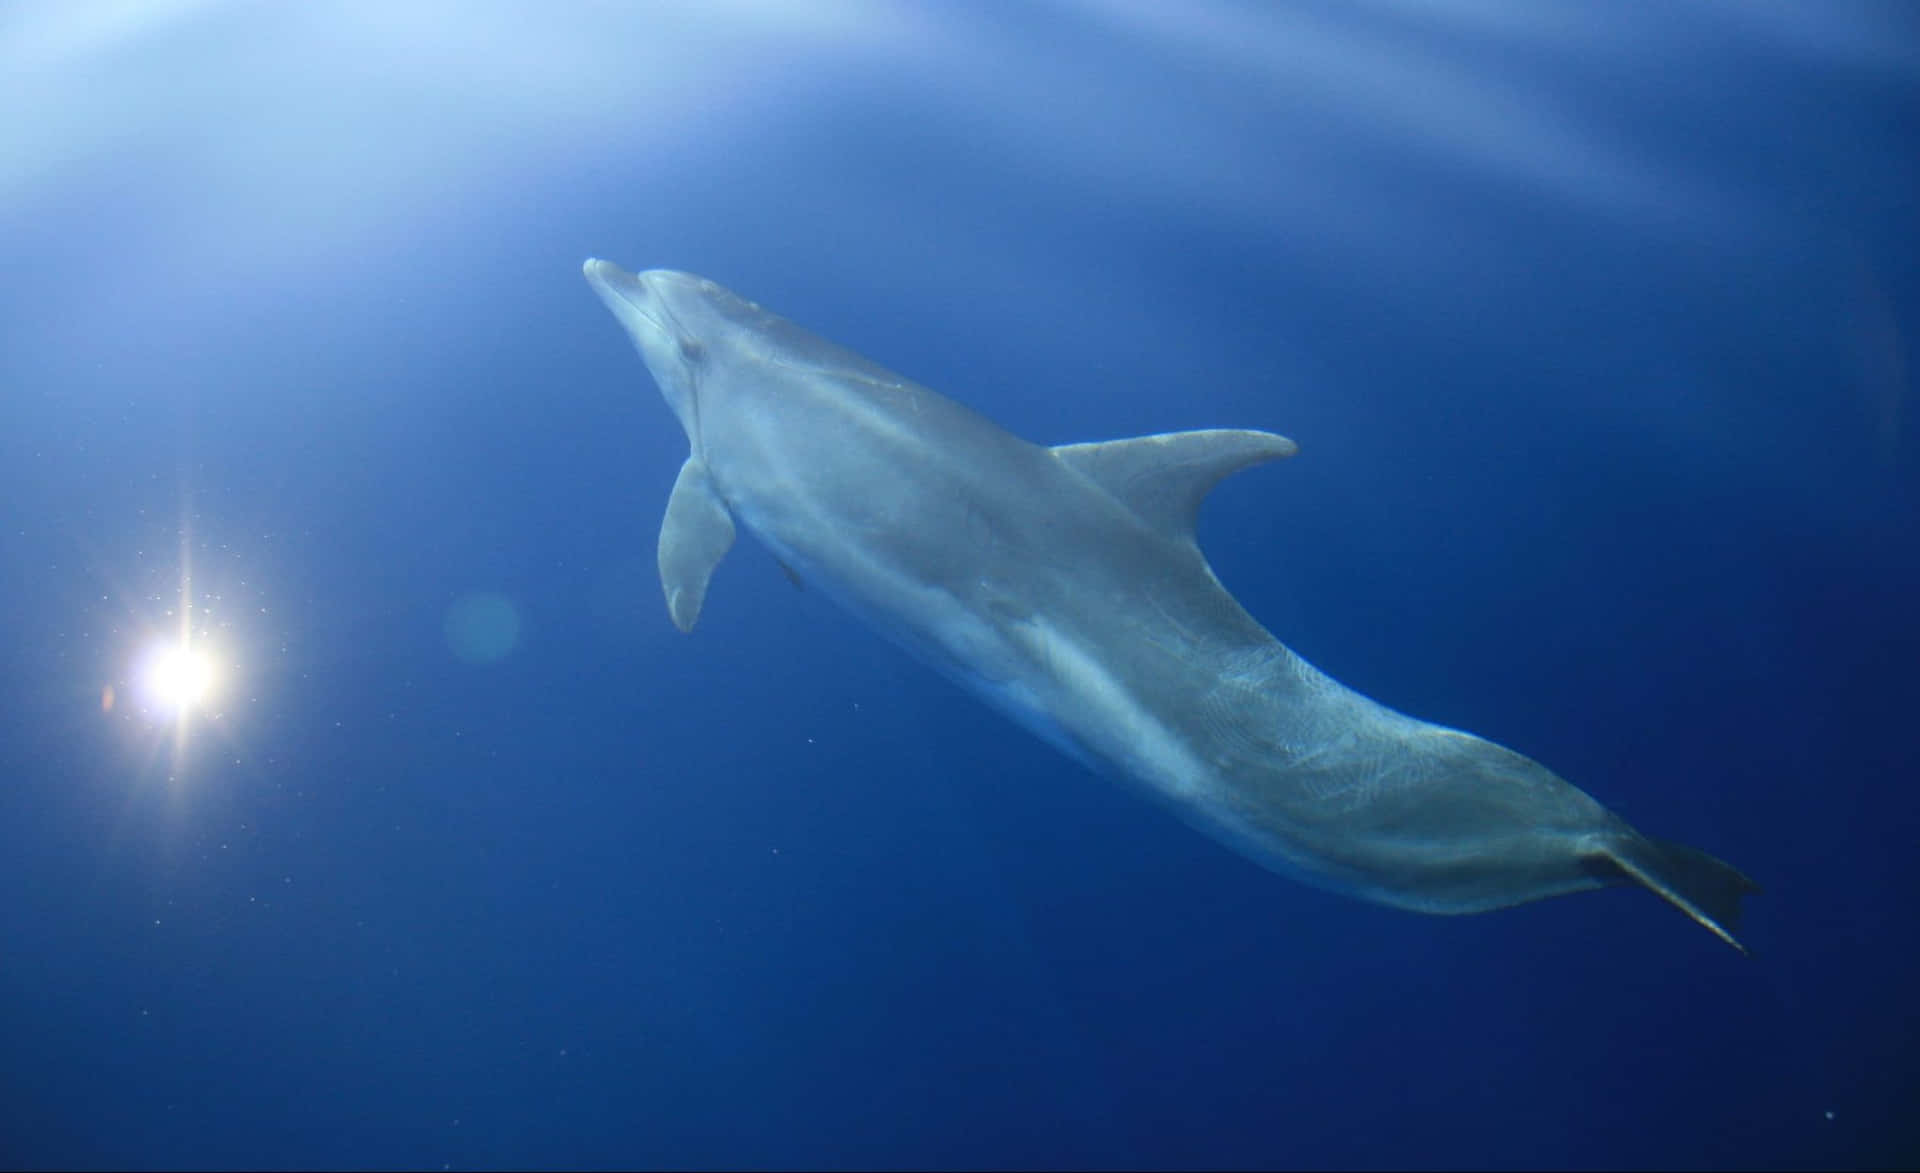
(636,305)
(622,291)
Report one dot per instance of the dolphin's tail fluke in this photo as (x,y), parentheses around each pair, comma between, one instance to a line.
(1694,882)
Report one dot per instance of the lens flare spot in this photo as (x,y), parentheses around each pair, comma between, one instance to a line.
(482,627)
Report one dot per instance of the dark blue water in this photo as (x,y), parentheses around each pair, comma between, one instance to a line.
(1596,324)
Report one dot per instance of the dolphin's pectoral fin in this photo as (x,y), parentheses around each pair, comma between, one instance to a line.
(697,533)
(1694,882)
(1163,478)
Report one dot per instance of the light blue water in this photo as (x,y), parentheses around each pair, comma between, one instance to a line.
(1595,324)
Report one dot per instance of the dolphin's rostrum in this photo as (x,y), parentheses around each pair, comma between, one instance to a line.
(1064,586)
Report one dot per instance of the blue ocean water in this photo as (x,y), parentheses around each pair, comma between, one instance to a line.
(1596,326)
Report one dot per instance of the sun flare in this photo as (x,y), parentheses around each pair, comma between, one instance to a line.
(177,677)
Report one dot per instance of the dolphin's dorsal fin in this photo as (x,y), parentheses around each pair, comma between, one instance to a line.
(697,533)
(1164,478)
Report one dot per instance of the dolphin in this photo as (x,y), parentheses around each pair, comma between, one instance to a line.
(1065,587)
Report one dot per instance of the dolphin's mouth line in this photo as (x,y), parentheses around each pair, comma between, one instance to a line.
(674,335)
(657,312)
(653,317)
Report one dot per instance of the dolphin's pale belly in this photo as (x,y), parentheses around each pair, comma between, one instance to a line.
(1052,676)
(1064,586)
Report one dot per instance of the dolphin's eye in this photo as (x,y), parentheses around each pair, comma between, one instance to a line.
(691,351)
